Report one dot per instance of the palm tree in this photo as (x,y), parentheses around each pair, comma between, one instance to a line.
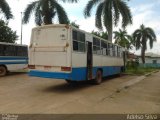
(103,35)
(5,9)
(123,39)
(108,13)
(141,37)
(45,11)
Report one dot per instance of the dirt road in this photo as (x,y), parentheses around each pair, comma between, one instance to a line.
(20,93)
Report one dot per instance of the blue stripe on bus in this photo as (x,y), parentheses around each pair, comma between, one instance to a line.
(9,63)
(77,74)
(13,58)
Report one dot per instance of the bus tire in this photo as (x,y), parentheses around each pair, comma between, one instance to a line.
(70,81)
(3,71)
(98,78)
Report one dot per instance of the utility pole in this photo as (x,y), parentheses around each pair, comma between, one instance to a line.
(21,27)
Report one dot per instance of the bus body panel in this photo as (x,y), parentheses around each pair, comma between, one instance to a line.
(13,56)
(50,51)
(57,53)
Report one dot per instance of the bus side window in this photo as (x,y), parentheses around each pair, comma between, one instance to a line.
(1,50)
(74,35)
(118,51)
(113,50)
(96,46)
(78,41)
(109,49)
(104,47)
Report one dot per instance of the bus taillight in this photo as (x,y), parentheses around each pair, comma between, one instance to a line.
(65,68)
(31,66)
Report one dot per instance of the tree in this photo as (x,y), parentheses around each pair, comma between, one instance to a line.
(5,9)
(123,39)
(103,35)
(108,14)
(6,34)
(74,24)
(141,37)
(45,11)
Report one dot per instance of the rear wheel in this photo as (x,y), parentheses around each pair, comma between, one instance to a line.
(3,71)
(70,81)
(98,78)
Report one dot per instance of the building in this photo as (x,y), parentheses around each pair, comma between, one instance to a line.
(151,60)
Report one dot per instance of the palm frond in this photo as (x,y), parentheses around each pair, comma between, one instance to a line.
(28,11)
(99,16)
(108,14)
(116,13)
(62,15)
(70,1)
(38,15)
(89,6)
(4,7)
(125,13)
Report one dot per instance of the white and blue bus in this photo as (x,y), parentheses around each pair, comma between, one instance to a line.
(13,57)
(65,52)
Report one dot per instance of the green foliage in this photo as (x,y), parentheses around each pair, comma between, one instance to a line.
(140,70)
(5,9)
(6,33)
(103,35)
(74,24)
(123,39)
(108,14)
(45,11)
(141,37)
(132,64)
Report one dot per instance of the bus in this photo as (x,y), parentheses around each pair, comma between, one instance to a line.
(13,57)
(64,52)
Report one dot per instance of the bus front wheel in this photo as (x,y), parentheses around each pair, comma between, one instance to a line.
(98,78)
(3,71)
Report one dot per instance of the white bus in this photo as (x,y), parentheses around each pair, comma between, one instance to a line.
(13,57)
(65,52)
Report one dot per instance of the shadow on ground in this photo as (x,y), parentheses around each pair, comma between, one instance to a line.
(72,87)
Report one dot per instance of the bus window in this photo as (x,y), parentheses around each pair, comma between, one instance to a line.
(96,46)
(74,33)
(113,49)
(109,49)
(1,50)
(78,41)
(81,37)
(104,47)
(118,51)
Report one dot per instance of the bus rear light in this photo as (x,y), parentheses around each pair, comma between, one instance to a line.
(31,66)
(65,68)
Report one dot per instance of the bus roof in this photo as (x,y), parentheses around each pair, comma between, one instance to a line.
(70,26)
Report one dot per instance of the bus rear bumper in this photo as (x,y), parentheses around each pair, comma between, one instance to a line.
(56,75)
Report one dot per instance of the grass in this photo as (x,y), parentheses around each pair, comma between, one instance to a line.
(140,70)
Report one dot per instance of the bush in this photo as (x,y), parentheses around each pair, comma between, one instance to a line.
(6,33)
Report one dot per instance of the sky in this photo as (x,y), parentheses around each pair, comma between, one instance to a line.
(145,12)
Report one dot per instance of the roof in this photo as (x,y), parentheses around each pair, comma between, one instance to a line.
(150,54)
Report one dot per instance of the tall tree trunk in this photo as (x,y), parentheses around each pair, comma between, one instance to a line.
(143,54)
(110,30)
(110,34)
(47,17)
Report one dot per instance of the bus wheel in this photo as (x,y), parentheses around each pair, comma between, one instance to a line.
(98,78)
(70,81)
(3,71)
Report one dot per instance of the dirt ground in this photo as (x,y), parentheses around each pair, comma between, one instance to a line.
(20,93)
